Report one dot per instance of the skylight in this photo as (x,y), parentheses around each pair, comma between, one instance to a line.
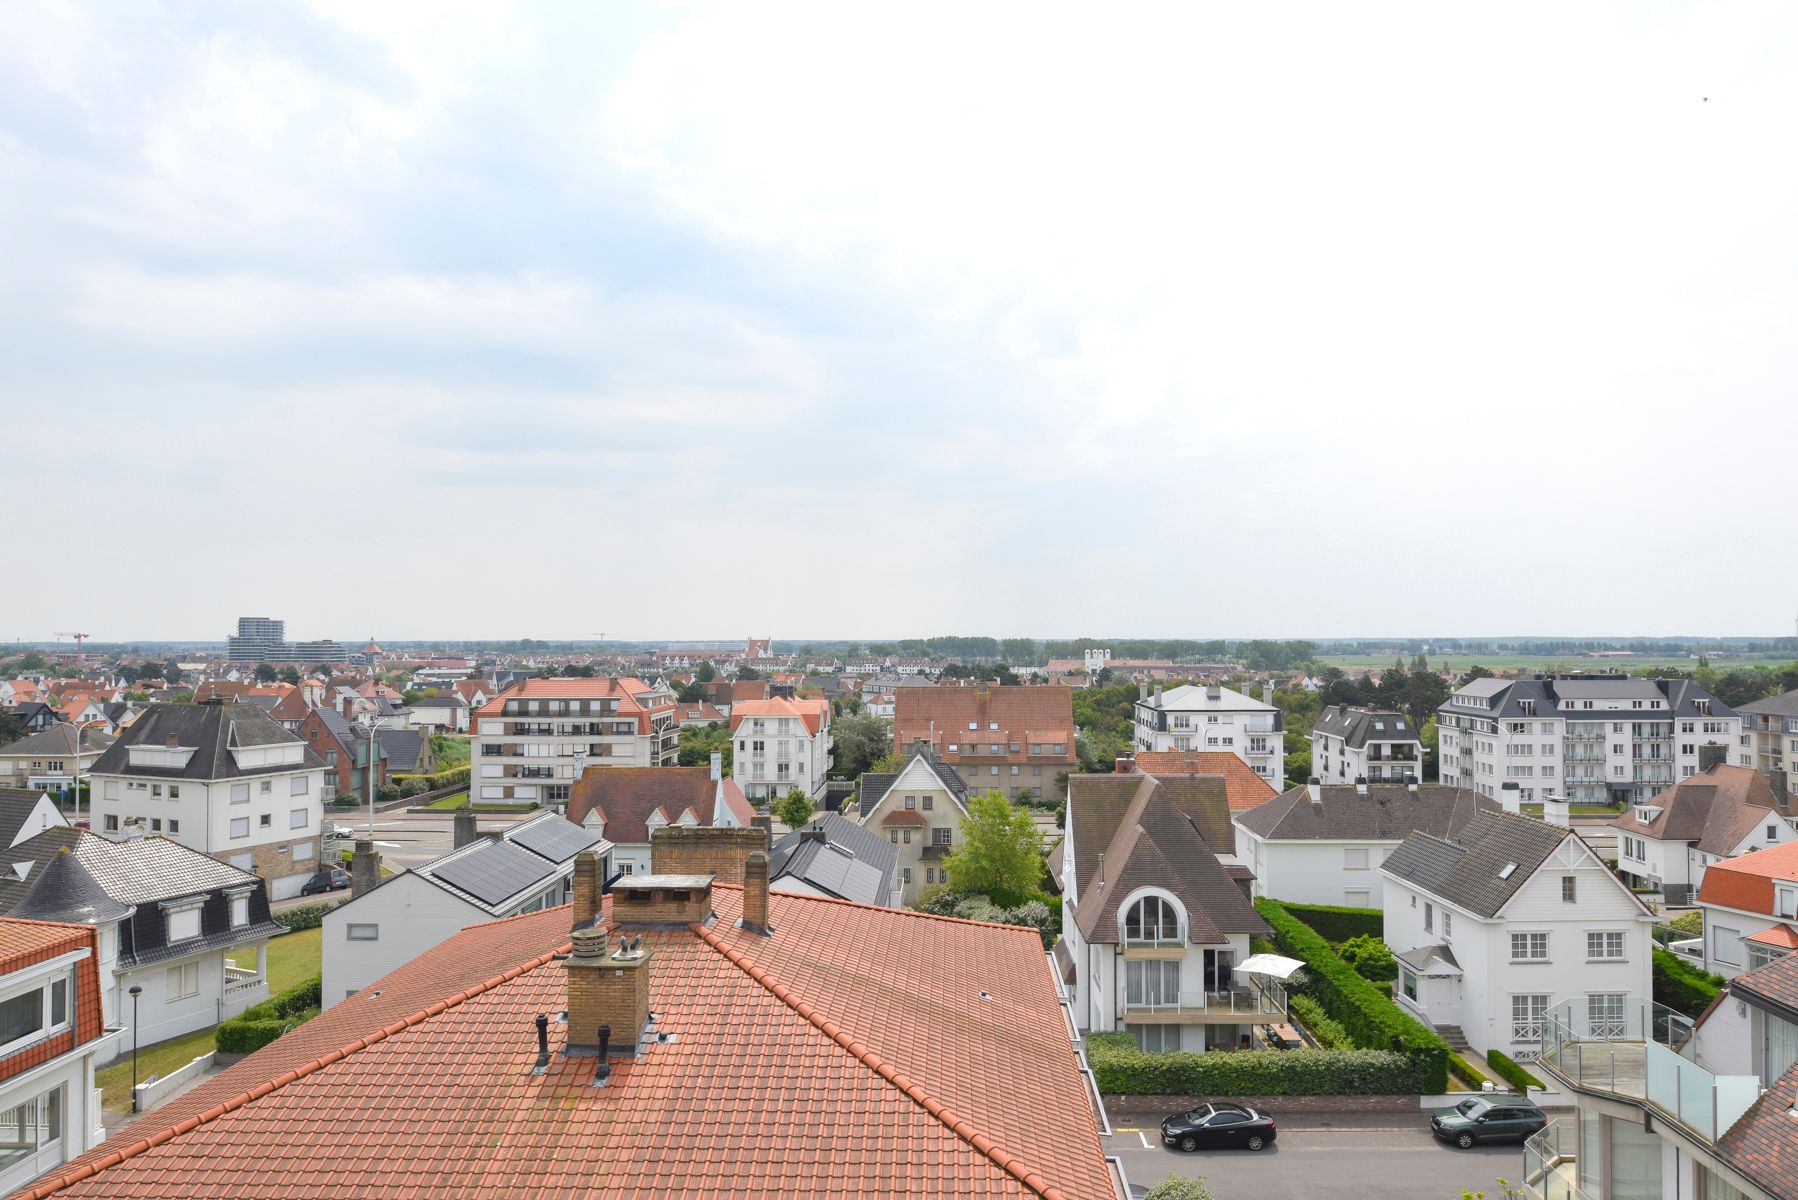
(1506,873)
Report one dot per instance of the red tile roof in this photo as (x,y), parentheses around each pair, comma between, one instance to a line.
(626,690)
(815,713)
(1245,789)
(26,943)
(858,1051)
(1024,713)
(1776,935)
(903,816)
(1747,882)
(626,796)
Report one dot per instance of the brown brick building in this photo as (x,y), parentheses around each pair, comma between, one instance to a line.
(1017,740)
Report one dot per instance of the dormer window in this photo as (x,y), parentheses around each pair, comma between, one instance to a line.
(182,918)
(1152,920)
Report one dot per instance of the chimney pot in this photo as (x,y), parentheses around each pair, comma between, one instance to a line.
(172,740)
(717,767)
(365,868)
(755,893)
(587,885)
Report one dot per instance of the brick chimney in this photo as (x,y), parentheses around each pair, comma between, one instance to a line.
(755,894)
(1712,754)
(365,868)
(1776,779)
(661,901)
(765,823)
(587,888)
(464,830)
(608,987)
(172,741)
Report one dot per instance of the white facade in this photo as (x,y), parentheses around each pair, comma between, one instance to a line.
(776,751)
(386,928)
(1572,929)
(1727,950)
(1674,864)
(1315,872)
(533,747)
(269,821)
(183,993)
(51,1111)
(1212,717)
(1384,747)
(1589,740)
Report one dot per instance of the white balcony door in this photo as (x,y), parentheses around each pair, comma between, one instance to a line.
(1150,983)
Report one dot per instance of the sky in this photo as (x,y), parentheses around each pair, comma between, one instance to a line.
(480,320)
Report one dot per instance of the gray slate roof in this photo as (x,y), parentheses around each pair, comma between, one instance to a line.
(15,808)
(1783,705)
(59,740)
(212,729)
(1465,871)
(65,890)
(1425,958)
(402,747)
(852,863)
(145,870)
(1389,812)
(874,787)
(1356,726)
(1681,698)
(20,865)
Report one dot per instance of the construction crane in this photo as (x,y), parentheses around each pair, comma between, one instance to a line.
(80,655)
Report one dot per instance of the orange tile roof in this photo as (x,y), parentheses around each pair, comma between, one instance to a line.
(942,714)
(1776,935)
(1244,788)
(851,1053)
(814,713)
(1747,882)
(626,689)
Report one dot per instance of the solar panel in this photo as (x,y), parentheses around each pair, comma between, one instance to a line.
(494,872)
(555,838)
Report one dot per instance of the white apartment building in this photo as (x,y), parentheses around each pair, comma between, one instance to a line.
(533,740)
(1213,717)
(1508,918)
(223,778)
(1769,733)
(782,744)
(1348,744)
(1592,739)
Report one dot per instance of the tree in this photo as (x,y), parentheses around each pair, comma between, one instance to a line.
(10,728)
(859,740)
(578,671)
(1000,853)
(706,672)
(171,672)
(1371,957)
(748,673)
(265,673)
(1179,1187)
(32,662)
(699,742)
(691,692)
(290,675)
(794,809)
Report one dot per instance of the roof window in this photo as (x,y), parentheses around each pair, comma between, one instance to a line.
(1508,868)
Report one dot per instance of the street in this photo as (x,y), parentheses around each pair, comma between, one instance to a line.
(1385,1155)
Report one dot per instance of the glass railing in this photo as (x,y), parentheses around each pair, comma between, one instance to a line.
(1643,1052)
(1551,1165)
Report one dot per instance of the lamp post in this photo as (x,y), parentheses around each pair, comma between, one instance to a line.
(136,990)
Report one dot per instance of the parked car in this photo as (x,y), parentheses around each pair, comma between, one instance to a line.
(1218,1126)
(338,833)
(1493,1118)
(328,880)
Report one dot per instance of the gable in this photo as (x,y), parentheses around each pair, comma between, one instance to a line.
(1597,891)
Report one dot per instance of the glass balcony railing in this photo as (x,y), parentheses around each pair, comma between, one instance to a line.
(1551,1165)
(1641,1052)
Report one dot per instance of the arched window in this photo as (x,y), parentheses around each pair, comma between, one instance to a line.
(1152,919)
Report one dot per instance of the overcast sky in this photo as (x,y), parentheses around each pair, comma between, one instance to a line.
(440,319)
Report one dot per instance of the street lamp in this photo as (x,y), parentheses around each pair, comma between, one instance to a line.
(136,990)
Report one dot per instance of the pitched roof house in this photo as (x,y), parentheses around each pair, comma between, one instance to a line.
(1324,843)
(1502,920)
(1243,787)
(1669,841)
(856,1051)
(1750,908)
(918,809)
(628,804)
(837,858)
(1018,739)
(1154,920)
(50,758)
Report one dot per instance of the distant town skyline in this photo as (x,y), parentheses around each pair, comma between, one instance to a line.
(629,319)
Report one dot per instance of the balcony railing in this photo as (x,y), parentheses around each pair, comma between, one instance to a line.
(1551,1165)
(1235,1002)
(1640,1053)
(242,979)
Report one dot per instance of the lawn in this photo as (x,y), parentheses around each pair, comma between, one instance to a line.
(460,800)
(453,800)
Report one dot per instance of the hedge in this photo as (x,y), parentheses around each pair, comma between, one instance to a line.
(1461,1069)
(1329,1034)
(1681,986)
(304,916)
(1361,1008)
(1121,1068)
(260,1024)
(442,779)
(1337,924)
(1507,1069)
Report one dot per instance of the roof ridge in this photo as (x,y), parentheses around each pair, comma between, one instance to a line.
(719,885)
(1009,1163)
(291,1075)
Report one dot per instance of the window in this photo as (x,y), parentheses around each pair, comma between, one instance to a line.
(1156,1039)
(296,818)
(1526,1017)
(941,836)
(1604,1013)
(1607,944)
(893,836)
(1152,919)
(30,1015)
(363,933)
(1772,833)
(155,824)
(928,802)
(240,793)
(1407,981)
(911,802)
(1151,983)
(267,787)
(267,821)
(1448,923)
(174,826)
(1569,889)
(1429,916)
(240,827)
(907,873)
(240,909)
(1357,898)
(182,982)
(183,921)
(1354,859)
(907,837)
(31,1127)
(929,874)
(112,823)
(299,785)
(1529,947)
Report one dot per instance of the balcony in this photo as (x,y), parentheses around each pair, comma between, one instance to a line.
(1640,1054)
(1551,1165)
(1237,1003)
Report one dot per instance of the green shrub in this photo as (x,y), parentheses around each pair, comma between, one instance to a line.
(387,791)
(1120,1067)
(1041,913)
(238,1036)
(413,786)
(301,997)
(442,779)
(1691,923)
(1681,986)
(1179,1187)
(1361,1008)
(1461,1069)
(1371,957)
(304,916)
(1329,1034)
(1337,924)
(260,1024)
(1508,1070)
(1262,946)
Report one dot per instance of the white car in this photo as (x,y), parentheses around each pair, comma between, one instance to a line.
(338,833)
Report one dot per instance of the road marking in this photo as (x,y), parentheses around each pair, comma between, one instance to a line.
(1145,1140)
(1127,1129)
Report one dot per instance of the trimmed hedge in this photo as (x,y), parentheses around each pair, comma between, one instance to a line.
(1512,1073)
(1329,1034)
(1361,1008)
(1337,924)
(260,1024)
(1681,986)
(1120,1067)
(442,779)
(304,916)
(1461,1069)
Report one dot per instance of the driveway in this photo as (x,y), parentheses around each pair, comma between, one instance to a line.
(1386,1155)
